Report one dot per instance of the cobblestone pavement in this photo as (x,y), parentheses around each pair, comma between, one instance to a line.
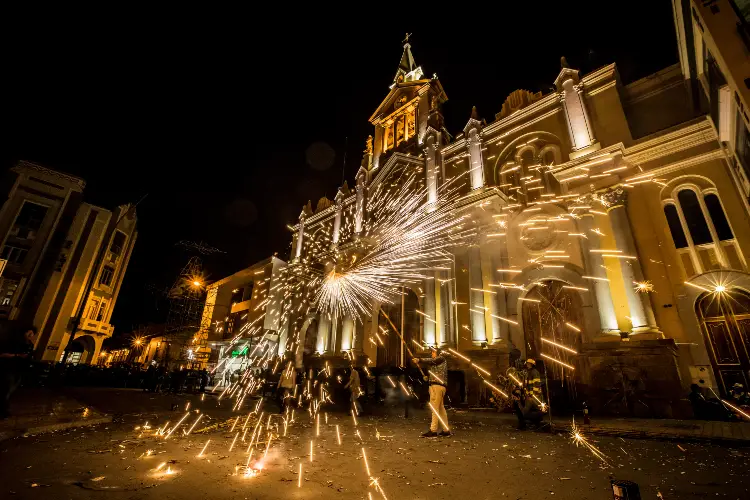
(481,461)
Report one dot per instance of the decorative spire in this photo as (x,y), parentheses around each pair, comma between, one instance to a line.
(563,63)
(474,113)
(407,65)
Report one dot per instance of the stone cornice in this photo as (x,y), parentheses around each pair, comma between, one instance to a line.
(24,166)
(716,154)
(599,76)
(568,165)
(695,134)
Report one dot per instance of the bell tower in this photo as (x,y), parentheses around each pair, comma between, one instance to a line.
(412,104)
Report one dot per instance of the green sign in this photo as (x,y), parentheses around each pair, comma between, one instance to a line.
(242,352)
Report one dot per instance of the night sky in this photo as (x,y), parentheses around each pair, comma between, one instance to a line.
(214,117)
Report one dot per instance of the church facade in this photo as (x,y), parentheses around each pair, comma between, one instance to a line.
(614,222)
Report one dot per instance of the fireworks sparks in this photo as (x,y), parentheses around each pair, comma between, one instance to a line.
(566,365)
(176,426)
(580,440)
(408,243)
(643,286)
(559,345)
(496,389)
(204,448)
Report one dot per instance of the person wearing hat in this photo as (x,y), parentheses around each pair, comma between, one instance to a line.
(438,376)
(527,403)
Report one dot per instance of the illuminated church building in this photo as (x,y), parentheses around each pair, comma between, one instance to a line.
(614,222)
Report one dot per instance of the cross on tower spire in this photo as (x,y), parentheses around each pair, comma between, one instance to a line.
(407,66)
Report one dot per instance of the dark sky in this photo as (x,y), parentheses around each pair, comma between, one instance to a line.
(212,114)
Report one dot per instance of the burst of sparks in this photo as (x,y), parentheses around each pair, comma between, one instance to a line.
(643,286)
(410,239)
(204,448)
(566,365)
(566,348)
(580,440)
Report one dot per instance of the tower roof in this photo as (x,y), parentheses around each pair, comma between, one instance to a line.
(407,68)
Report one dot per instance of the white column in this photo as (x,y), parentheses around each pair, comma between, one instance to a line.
(490,299)
(332,346)
(324,329)
(499,301)
(579,125)
(359,212)
(428,333)
(476,166)
(476,298)
(641,313)
(431,172)
(347,334)
(300,236)
(336,222)
(440,295)
(595,263)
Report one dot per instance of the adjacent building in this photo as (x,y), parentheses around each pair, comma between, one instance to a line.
(242,317)
(615,221)
(65,260)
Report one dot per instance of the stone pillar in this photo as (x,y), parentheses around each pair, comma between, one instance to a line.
(641,313)
(337,220)
(300,236)
(476,298)
(476,166)
(429,331)
(347,334)
(359,212)
(490,299)
(431,172)
(595,265)
(440,312)
(324,329)
(579,126)
(570,93)
(333,341)
(499,301)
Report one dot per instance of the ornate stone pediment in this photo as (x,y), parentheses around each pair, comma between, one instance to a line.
(516,100)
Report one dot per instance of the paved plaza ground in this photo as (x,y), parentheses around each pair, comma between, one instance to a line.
(481,461)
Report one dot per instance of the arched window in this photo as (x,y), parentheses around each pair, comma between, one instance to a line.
(718,217)
(675,227)
(701,232)
(696,222)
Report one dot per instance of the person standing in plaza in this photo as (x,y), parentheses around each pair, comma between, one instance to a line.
(285,387)
(355,390)
(438,378)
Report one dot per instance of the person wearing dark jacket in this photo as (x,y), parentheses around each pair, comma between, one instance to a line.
(15,355)
(528,398)
(438,377)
